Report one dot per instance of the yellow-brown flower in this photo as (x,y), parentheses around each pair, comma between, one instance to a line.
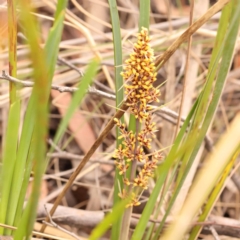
(139,75)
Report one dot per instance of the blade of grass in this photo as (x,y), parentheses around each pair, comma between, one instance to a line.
(213,197)
(75,103)
(213,66)
(19,168)
(52,44)
(197,138)
(208,176)
(72,135)
(77,98)
(144,15)
(43,72)
(28,124)
(117,44)
(161,177)
(40,113)
(9,159)
(109,219)
(10,148)
(227,53)
(25,184)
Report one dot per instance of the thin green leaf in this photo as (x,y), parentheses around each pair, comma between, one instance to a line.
(77,98)
(117,43)
(43,71)
(9,159)
(19,168)
(109,219)
(41,97)
(28,124)
(213,197)
(162,174)
(25,184)
(208,176)
(196,136)
(54,37)
(144,17)
(12,53)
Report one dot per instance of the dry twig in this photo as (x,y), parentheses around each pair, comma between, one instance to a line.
(86,158)
(190,31)
(92,90)
(53,224)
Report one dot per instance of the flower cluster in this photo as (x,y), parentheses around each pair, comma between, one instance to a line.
(139,75)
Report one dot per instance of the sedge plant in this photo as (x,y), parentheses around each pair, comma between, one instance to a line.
(139,75)
(181,156)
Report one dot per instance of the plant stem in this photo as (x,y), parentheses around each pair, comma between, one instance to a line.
(127,214)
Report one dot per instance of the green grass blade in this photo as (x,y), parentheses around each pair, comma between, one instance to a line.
(25,184)
(213,197)
(54,38)
(144,17)
(162,174)
(227,53)
(77,98)
(227,37)
(213,66)
(12,32)
(117,44)
(41,96)
(112,217)
(9,159)
(208,176)
(28,125)
(39,169)
(195,137)
(19,167)
(40,110)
